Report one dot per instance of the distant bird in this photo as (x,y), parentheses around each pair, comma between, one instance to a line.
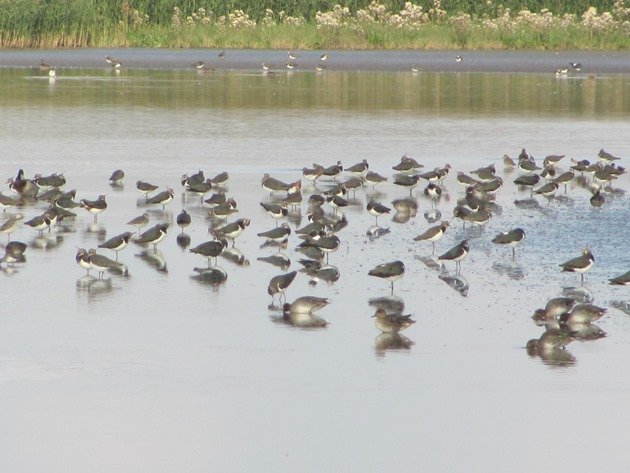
(508,163)
(117,243)
(415,69)
(576,66)
(511,238)
(554,308)
(392,271)
(272,185)
(140,221)
(548,190)
(583,314)
(623,280)
(406,181)
(275,211)
(291,65)
(14,253)
(39,223)
(43,66)
(94,206)
(52,73)
(407,165)
(528,165)
(7,202)
(457,254)
(433,191)
(102,263)
(153,235)
(579,265)
(606,157)
(597,199)
(486,173)
(552,160)
(307,304)
(377,209)
(564,179)
(83,259)
(359,169)
(210,249)
(458,58)
(232,230)
(334,170)
(27,188)
(323,57)
(374,178)
(433,234)
(163,198)
(220,179)
(527,181)
(391,323)
(183,219)
(562,71)
(11,224)
(116,178)
(291,56)
(198,65)
(145,188)
(278,234)
(221,55)
(278,284)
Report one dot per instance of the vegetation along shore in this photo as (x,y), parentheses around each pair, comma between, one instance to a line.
(300,24)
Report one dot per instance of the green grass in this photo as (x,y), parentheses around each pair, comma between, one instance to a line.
(112,23)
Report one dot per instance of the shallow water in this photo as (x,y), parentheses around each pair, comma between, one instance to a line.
(159,372)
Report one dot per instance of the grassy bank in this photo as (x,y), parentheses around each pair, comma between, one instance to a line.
(390,25)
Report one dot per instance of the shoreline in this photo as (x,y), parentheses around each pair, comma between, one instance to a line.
(492,61)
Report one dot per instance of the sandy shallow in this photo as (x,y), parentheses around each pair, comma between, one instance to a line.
(594,62)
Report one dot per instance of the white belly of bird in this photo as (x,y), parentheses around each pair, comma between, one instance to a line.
(584,269)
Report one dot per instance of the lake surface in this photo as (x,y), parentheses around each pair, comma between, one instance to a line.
(156,371)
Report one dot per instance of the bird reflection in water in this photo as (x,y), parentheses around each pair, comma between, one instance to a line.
(550,347)
(154,259)
(391,341)
(456,282)
(235,256)
(319,271)
(581,294)
(94,286)
(96,228)
(183,240)
(511,269)
(391,304)
(279,260)
(623,306)
(46,242)
(212,275)
(433,215)
(375,232)
(406,209)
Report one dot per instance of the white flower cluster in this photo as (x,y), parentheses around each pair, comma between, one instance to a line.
(338,16)
(545,20)
(271,19)
(494,18)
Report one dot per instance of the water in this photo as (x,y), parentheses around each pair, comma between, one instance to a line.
(158,372)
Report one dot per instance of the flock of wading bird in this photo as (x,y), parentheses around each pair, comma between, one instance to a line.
(331,188)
